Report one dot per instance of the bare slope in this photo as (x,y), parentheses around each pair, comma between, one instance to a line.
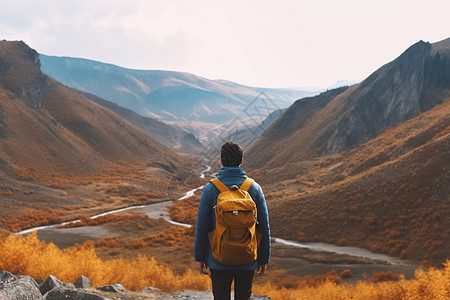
(47,125)
(59,149)
(366,165)
(169,136)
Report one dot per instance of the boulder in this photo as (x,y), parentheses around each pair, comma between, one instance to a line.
(29,278)
(5,276)
(18,287)
(260,297)
(52,282)
(83,282)
(113,288)
(71,294)
(150,289)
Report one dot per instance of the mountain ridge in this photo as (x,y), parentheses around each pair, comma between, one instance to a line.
(146,91)
(55,143)
(369,107)
(366,165)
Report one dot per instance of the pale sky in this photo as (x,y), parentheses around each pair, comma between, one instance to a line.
(280,43)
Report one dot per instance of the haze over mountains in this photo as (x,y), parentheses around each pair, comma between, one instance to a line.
(371,160)
(191,103)
(162,94)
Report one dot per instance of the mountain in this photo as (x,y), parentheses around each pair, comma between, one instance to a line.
(163,95)
(169,136)
(55,142)
(347,117)
(366,165)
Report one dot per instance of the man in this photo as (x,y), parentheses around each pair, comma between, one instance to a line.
(222,275)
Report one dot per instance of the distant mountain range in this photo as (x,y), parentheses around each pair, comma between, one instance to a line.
(202,107)
(369,164)
(163,95)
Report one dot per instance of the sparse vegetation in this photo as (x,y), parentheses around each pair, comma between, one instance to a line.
(386,195)
(29,256)
(33,218)
(185,211)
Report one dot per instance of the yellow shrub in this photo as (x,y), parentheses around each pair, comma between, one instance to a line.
(29,256)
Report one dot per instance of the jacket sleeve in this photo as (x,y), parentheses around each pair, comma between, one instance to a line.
(263,226)
(203,226)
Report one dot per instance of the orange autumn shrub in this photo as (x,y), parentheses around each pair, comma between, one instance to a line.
(33,218)
(136,243)
(173,236)
(185,211)
(386,276)
(108,241)
(346,273)
(431,285)
(31,257)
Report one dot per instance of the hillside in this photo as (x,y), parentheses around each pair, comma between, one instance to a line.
(344,118)
(169,136)
(366,165)
(192,103)
(60,149)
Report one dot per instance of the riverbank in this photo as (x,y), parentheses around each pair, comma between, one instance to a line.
(299,259)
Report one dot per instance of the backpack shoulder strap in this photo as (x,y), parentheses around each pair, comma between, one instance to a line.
(246,184)
(219,185)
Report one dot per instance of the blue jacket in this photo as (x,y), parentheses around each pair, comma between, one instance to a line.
(206,220)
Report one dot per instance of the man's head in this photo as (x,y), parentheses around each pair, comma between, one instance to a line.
(231,154)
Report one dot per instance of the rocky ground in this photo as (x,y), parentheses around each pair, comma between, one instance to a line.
(16,287)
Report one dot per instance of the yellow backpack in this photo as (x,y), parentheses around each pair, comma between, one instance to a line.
(235,240)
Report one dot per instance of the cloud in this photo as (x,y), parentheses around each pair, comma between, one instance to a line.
(265,43)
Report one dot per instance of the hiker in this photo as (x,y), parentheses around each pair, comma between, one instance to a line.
(232,261)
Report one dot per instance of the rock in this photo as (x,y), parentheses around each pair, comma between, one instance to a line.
(83,282)
(203,295)
(4,133)
(18,287)
(20,73)
(29,278)
(191,295)
(5,276)
(114,288)
(71,294)
(150,289)
(260,297)
(52,282)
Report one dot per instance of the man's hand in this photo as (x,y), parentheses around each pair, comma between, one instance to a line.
(261,270)
(203,268)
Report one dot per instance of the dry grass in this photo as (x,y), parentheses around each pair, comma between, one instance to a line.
(185,211)
(29,256)
(388,195)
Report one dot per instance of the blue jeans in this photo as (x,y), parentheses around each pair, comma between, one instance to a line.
(221,284)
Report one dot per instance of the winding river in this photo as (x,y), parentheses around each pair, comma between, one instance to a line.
(161,209)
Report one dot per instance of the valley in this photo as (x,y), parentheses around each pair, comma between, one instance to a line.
(356,178)
(298,259)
